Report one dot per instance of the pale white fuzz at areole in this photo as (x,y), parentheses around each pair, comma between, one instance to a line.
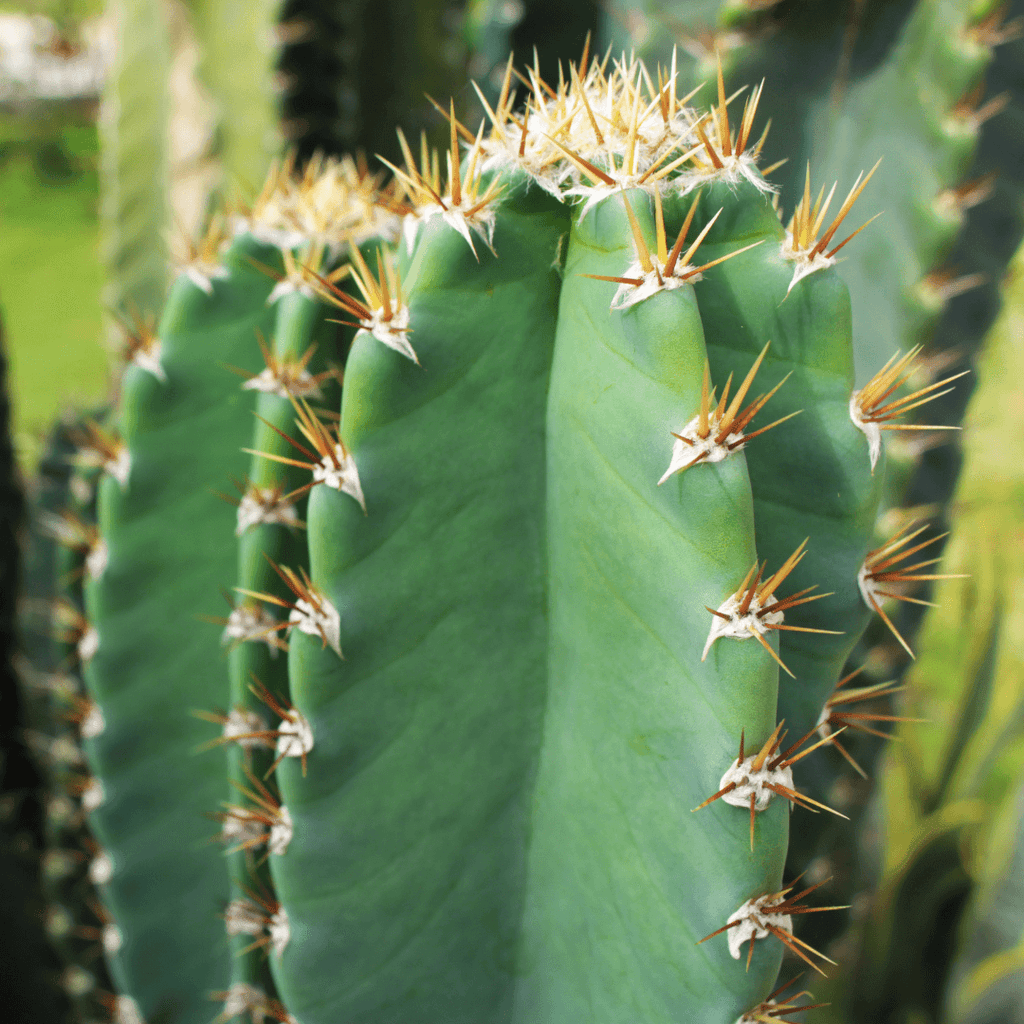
(392,331)
(281,832)
(755,917)
(244,917)
(126,1011)
(249,622)
(872,431)
(265,507)
(241,828)
(712,449)
(243,999)
(93,724)
(101,868)
(88,644)
(147,357)
(301,384)
(754,782)
(246,728)
(97,559)
(93,795)
(280,931)
(737,625)
(339,471)
(294,735)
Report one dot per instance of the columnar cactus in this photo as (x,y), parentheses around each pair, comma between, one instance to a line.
(600,475)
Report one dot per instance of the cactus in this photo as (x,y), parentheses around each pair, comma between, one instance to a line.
(583,559)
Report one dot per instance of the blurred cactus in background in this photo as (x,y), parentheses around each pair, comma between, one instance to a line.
(489,590)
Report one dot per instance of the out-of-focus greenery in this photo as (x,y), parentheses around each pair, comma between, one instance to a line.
(50,274)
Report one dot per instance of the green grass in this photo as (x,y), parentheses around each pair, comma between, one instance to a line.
(50,273)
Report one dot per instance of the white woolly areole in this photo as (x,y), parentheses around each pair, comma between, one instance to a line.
(148,358)
(281,832)
(97,559)
(242,999)
(301,384)
(93,795)
(290,286)
(239,726)
(683,453)
(202,275)
(240,827)
(822,726)
(77,981)
(243,917)
(93,724)
(120,466)
(59,810)
(88,644)
(740,627)
(323,622)
(655,281)
(751,783)
(805,263)
(280,930)
(735,169)
(250,622)
(112,938)
(870,430)
(394,332)
(755,916)
(101,868)
(868,587)
(294,735)
(264,507)
(344,479)
(126,1011)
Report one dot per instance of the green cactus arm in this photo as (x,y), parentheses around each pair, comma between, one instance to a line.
(428,728)
(427,733)
(183,436)
(811,476)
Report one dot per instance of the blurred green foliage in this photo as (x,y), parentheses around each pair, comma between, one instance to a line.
(50,275)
